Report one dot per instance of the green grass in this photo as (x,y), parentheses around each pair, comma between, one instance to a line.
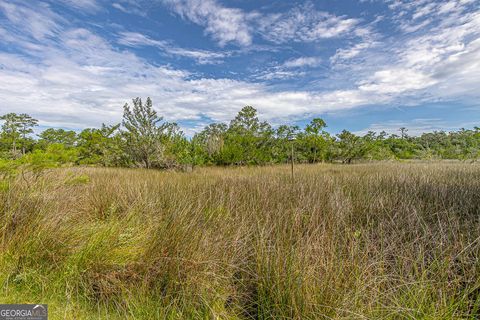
(369,241)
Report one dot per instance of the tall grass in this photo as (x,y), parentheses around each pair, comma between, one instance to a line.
(370,241)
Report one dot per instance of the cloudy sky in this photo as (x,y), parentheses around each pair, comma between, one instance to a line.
(361,65)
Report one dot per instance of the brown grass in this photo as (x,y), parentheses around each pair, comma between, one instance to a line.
(370,241)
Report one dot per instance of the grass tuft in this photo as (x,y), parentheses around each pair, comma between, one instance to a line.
(368,241)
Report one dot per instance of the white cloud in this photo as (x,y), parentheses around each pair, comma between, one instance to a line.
(75,78)
(352,52)
(300,24)
(87,5)
(423,11)
(302,62)
(83,81)
(438,63)
(223,24)
(130,6)
(304,24)
(395,81)
(38,22)
(284,71)
(414,16)
(134,39)
(120,7)
(280,74)
(138,39)
(450,52)
(409,27)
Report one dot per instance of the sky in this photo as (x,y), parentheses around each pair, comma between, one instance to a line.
(360,65)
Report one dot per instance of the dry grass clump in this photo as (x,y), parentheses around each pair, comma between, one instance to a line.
(385,240)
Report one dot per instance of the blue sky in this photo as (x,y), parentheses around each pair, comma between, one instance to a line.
(360,65)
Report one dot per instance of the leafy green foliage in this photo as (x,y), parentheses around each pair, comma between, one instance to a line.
(15,129)
(144,139)
(8,169)
(102,146)
(50,136)
(247,140)
(146,135)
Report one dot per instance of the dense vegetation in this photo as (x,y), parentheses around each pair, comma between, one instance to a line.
(367,241)
(381,240)
(144,139)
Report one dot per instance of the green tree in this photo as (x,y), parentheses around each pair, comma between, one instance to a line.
(376,146)
(26,127)
(11,130)
(247,140)
(16,128)
(50,136)
(103,146)
(177,150)
(402,147)
(284,136)
(145,133)
(350,146)
(208,143)
(317,140)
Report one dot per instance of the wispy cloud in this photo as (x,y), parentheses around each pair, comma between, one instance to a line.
(440,62)
(352,52)
(53,64)
(413,16)
(280,74)
(300,24)
(223,24)
(130,7)
(134,39)
(289,69)
(90,80)
(302,62)
(304,24)
(37,21)
(87,5)
(396,81)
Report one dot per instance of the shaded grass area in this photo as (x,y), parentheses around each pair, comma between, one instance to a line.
(369,241)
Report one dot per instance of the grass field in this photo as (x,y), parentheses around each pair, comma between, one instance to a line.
(367,241)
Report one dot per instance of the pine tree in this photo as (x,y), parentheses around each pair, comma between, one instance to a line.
(144,132)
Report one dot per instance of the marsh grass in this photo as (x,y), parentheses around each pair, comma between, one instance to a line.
(368,241)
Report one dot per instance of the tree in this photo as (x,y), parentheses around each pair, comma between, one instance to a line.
(209,142)
(176,148)
(376,147)
(144,132)
(316,138)
(284,136)
(350,146)
(247,140)
(246,121)
(102,146)
(50,136)
(144,139)
(26,127)
(11,129)
(16,127)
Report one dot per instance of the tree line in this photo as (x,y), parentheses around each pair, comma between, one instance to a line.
(145,139)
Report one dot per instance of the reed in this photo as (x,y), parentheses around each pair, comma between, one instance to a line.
(366,241)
